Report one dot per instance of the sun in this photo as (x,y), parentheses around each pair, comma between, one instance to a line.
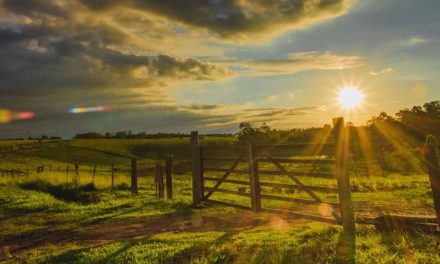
(350,97)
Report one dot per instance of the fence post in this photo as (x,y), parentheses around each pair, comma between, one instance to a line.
(94,171)
(169,175)
(253,178)
(347,243)
(432,161)
(196,181)
(159,180)
(113,175)
(134,180)
(201,171)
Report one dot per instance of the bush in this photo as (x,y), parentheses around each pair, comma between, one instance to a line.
(404,160)
(85,194)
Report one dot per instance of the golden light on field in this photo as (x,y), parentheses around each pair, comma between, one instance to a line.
(350,97)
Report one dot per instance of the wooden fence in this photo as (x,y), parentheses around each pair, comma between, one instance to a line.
(252,154)
(160,181)
(341,211)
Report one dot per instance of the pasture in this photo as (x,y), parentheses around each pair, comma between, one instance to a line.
(45,219)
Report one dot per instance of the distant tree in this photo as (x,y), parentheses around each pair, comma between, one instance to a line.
(120,134)
(89,135)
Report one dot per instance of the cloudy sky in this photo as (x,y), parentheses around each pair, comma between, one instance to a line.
(174,65)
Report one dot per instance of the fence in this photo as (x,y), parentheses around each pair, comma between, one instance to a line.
(253,155)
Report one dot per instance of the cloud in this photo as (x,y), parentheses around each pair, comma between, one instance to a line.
(39,63)
(384,71)
(235,19)
(414,41)
(297,62)
(127,54)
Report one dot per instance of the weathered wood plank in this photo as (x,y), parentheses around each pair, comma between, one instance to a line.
(253,178)
(296,187)
(134,179)
(195,155)
(300,173)
(296,200)
(228,191)
(226,170)
(226,181)
(298,161)
(169,176)
(282,185)
(341,134)
(297,145)
(224,159)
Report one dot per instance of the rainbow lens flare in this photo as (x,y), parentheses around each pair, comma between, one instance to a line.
(80,110)
(7,116)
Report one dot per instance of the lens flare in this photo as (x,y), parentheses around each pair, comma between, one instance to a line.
(7,116)
(81,110)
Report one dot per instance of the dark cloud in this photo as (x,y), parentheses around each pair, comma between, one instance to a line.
(37,62)
(236,18)
(45,7)
(201,107)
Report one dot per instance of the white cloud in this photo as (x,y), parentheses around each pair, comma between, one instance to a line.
(414,41)
(297,62)
(384,71)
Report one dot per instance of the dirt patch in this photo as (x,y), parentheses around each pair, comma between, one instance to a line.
(103,233)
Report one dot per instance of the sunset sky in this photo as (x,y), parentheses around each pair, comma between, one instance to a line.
(70,66)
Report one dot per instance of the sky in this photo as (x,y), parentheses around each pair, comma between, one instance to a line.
(72,66)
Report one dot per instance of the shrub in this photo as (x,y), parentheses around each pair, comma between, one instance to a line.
(85,194)
(404,160)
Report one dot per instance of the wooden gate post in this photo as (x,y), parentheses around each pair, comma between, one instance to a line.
(347,244)
(159,180)
(94,172)
(253,178)
(134,180)
(432,161)
(196,179)
(169,175)
(113,175)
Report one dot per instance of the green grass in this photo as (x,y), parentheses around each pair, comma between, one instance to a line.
(121,228)
(25,213)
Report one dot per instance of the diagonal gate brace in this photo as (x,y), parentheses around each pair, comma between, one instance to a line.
(300,184)
(220,181)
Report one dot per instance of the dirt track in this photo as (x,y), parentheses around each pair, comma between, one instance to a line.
(107,232)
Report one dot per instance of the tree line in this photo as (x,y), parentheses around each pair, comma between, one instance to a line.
(140,135)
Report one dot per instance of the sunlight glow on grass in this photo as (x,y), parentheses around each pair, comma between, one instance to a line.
(350,97)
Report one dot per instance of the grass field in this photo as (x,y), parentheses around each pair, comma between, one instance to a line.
(116,227)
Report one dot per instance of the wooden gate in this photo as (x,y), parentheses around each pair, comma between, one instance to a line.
(252,156)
